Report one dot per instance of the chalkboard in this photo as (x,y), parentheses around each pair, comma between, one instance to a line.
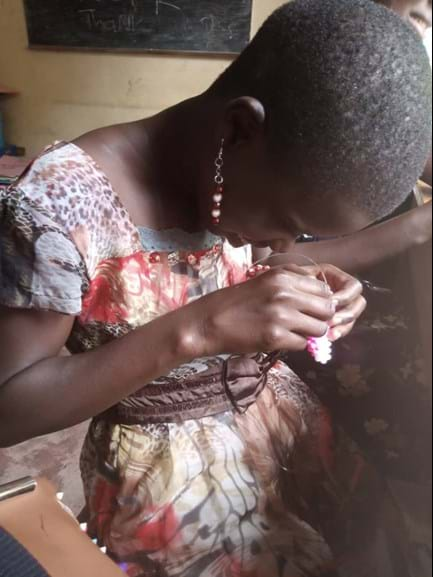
(219,26)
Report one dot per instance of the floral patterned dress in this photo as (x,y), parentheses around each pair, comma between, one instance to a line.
(228,466)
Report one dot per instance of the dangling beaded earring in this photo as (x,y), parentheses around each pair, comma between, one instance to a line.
(218,195)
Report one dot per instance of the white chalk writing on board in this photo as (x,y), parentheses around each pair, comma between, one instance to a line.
(192,25)
(126,21)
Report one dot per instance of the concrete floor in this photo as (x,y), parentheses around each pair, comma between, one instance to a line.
(55,457)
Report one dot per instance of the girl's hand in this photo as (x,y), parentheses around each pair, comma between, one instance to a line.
(348,294)
(279,310)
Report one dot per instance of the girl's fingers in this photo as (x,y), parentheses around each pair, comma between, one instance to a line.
(344,321)
(357,308)
(344,287)
(340,332)
(285,277)
(317,308)
(294,342)
(351,291)
(307,326)
(311,286)
(289,341)
(342,318)
(301,270)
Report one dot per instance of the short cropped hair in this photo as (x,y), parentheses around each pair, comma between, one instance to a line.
(347,89)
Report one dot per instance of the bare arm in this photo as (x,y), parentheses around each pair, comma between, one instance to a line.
(41,392)
(362,250)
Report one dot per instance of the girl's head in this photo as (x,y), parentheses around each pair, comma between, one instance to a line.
(326,122)
(417,12)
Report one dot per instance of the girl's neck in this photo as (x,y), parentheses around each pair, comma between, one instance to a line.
(169,154)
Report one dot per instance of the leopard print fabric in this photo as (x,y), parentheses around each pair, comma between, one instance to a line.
(35,249)
(67,183)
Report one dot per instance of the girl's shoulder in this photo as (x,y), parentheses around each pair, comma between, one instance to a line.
(65,181)
(68,186)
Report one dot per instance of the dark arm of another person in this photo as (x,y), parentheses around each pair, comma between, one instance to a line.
(370,247)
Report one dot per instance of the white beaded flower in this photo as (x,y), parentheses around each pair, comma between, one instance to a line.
(320,349)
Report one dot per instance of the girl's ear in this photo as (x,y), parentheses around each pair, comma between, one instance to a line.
(244,121)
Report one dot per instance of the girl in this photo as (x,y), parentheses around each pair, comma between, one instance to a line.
(204,458)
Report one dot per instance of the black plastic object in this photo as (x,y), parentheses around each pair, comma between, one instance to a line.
(15,561)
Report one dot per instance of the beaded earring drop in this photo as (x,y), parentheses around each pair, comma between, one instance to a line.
(218,195)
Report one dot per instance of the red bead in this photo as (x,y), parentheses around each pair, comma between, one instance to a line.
(216,221)
(257,269)
(155,258)
(220,189)
(217,205)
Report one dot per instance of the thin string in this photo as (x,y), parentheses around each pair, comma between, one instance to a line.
(294,254)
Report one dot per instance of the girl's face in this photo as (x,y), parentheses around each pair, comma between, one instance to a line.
(263,209)
(263,205)
(416,12)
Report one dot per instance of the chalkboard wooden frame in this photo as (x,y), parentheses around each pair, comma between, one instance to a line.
(210,27)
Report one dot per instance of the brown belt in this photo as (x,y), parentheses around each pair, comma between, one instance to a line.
(236,384)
